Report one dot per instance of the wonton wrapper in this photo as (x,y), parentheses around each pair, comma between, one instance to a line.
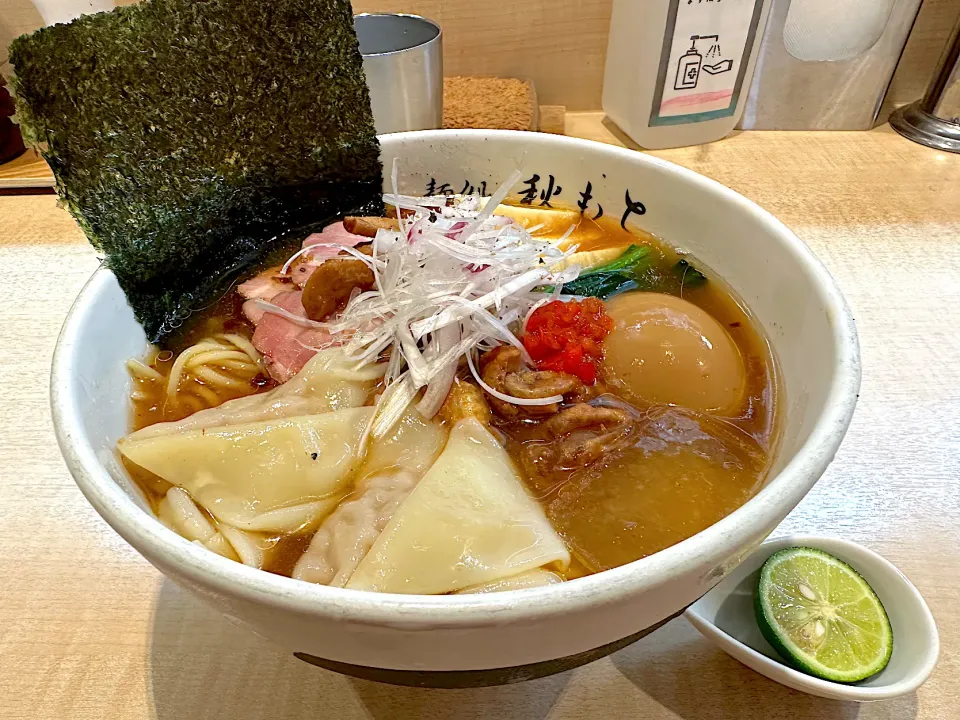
(412,444)
(180,513)
(469,521)
(529,579)
(326,383)
(275,475)
(391,471)
(349,532)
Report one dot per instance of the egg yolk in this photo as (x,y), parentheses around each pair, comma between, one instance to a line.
(667,350)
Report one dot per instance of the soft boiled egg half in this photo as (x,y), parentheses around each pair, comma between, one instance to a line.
(666,350)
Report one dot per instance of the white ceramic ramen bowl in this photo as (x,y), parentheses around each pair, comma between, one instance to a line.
(497,638)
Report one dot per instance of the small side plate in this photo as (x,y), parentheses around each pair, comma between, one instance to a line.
(725,615)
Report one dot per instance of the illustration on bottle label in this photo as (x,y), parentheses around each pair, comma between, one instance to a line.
(704,59)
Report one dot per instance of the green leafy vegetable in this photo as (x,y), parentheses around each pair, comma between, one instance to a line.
(688,275)
(601,285)
(187,138)
(627,262)
(627,272)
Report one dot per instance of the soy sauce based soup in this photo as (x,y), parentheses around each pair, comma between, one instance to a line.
(659,471)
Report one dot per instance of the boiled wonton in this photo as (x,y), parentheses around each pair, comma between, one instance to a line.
(469,521)
(180,513)
(392,469)
(272,475)
(350,531)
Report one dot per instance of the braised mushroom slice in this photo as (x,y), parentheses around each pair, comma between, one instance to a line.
(368,226)
(574,438)
(504,371)
(331,284)
(585,433)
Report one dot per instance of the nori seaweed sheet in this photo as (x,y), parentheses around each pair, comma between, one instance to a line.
(187,136)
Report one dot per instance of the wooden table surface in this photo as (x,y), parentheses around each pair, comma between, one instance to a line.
(88,629)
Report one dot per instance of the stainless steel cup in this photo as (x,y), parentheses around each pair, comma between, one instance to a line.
(403,62)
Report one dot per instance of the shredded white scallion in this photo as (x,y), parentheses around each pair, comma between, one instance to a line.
(454,280)
(300,320)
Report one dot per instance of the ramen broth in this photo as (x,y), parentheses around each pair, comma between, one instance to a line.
(683,471)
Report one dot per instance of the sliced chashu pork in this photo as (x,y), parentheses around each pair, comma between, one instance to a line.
(286,346)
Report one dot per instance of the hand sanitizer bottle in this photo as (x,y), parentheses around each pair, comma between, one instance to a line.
(678,71)
(688,67)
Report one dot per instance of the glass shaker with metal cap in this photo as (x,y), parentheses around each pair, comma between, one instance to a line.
(934,120)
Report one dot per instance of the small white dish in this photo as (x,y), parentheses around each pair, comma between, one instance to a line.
(726,616)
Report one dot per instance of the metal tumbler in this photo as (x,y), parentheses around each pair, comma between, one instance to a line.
(403,63)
